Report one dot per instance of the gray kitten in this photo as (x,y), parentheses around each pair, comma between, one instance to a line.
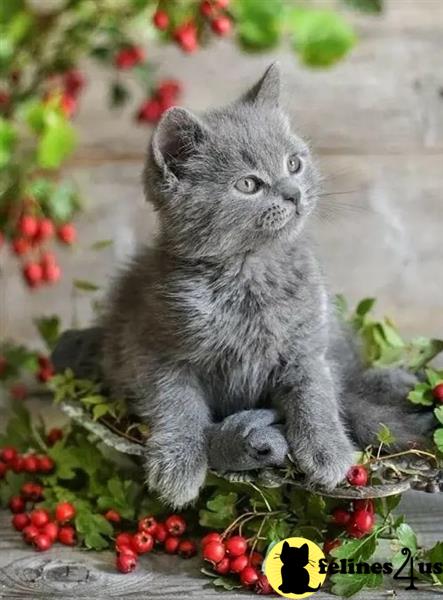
(228,315)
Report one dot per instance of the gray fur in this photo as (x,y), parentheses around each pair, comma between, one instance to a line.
(229,311)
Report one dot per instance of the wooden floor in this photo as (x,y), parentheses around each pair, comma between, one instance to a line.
(376,123)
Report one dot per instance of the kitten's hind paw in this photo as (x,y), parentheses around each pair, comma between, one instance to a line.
(247,440)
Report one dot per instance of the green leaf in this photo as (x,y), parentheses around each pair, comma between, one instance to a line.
(56,143)
(385,435)
(407,537)
(438,412)
(220,511)
(258,24)
(93,529)
(49,329)
(227,583)
(10,486)
(63,202)
(434,377)
(421,351)
(348,585)
(99,411)
(8,138)
(365,306)
(438,439)
(361,549)
(18,430)
(321,37)
(367,6)
(435,555)
(391,335)
(85,286)
(421,394)
(341,305)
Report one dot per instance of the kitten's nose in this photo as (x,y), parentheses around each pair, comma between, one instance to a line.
(294,196)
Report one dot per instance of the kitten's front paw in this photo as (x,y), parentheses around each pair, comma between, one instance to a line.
(325,463)
(176,474)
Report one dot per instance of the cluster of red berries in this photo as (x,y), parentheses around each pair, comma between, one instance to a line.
(151,532)
(45,369)
(44,374)
(186,34)
(359,521)
(164,96)
(31,235)
(10,459)
(233,555)
(437,393)
(40,528)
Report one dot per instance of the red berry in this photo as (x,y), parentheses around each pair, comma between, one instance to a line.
(30,532)
(437,392)
(129,57)
(44,375)
(211,537)
(54,436)
(45,464)
(51,530)
(223,567)
(329,545)
(8,454)
(33,274)
(147,525)
(187,549)
(256,559)
(17,464)
(113,516)
(122,541)
(160,20)
(3,469)
(340,516)
(66,535)
(221,4)
(20,246)
(28,226)
(213,552)
(175,525)
(206,8)
(142,542)
(221,25)
(169,89)
(171,545)
(32,491)
(39,518)
(69,105)
(126,561)
(30,463)
(67,233)
(150,111)
(45,230)
(364,520)
(42,542)
(249,576)
(367,504)
(20,521)
(17,504)
(357,475)
(74,81)
(186,36)
(263,586)
(18,391)
(64,512)
(236,545)
(160,533)
(239,563)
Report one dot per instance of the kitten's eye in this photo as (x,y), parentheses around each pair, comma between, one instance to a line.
(248,185)
(294,164)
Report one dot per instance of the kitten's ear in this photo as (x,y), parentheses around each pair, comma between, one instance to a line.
(267,90)
(286,547)
(176,137)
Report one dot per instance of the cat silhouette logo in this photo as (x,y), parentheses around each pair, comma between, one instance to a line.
(293,568)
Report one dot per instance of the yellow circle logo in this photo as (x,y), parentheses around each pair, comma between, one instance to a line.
(293,568)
